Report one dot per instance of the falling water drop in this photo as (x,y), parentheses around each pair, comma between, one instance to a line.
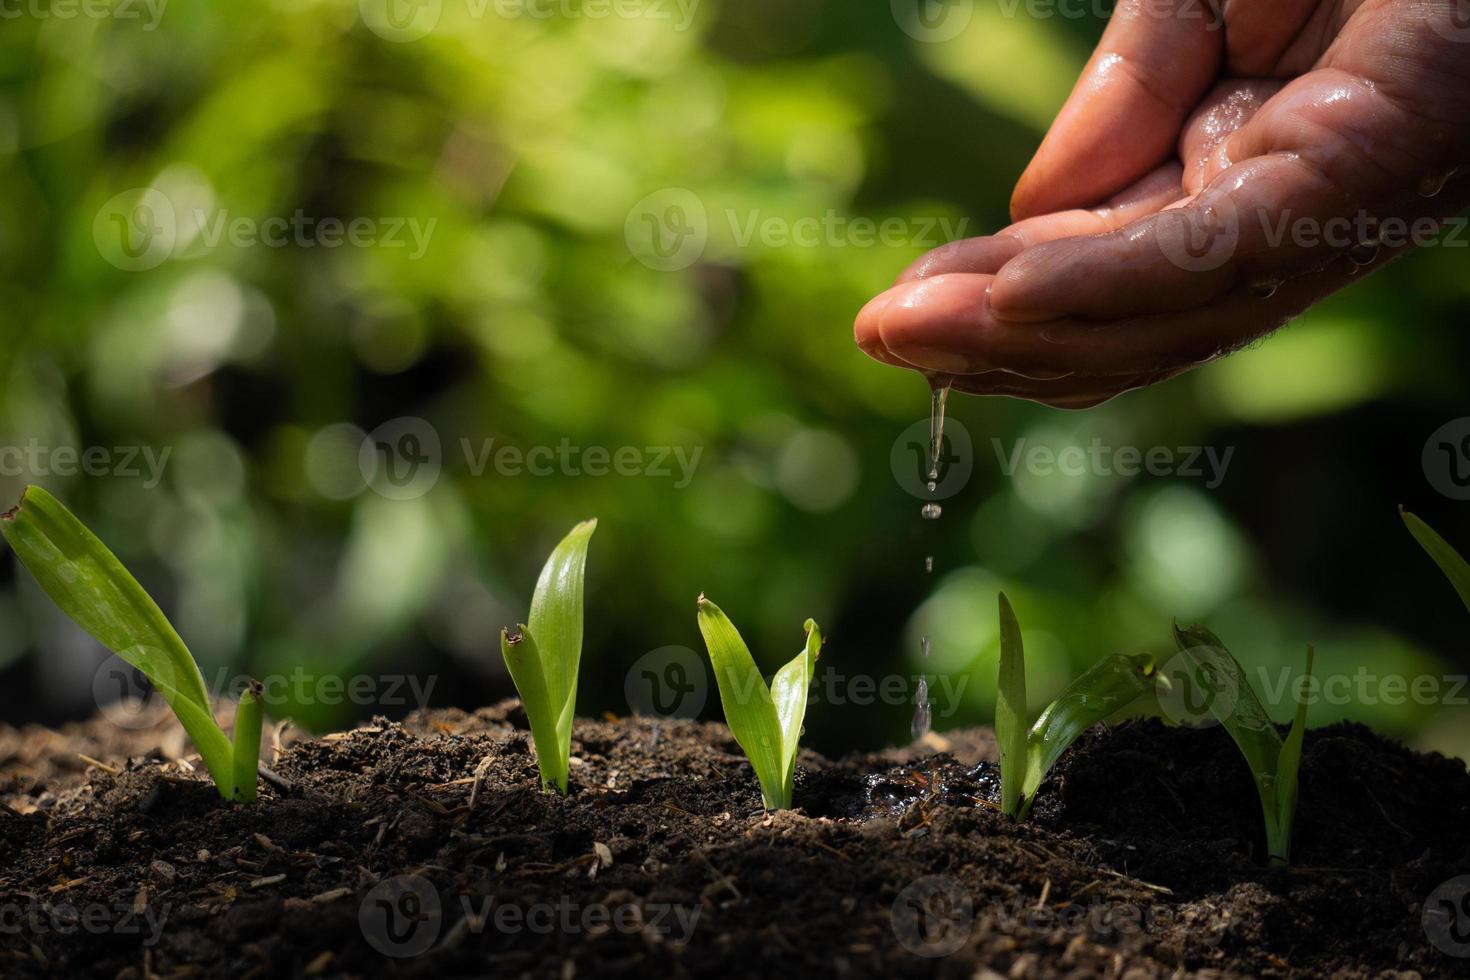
(938,396)
(931,512)
(923,713)
(929,564)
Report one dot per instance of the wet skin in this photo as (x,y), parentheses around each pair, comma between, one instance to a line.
(1216,171)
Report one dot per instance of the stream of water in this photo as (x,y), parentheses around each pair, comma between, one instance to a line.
(938,396)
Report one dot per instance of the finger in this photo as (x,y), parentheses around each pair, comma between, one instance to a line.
(1326,158)
(987,254)
(1155,60)
(1227,108)
(1096,360)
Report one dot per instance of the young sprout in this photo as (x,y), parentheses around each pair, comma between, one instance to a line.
(1447,558)
(765,721)
(91,586)
(1274,764)
(1027,756)
(544,656)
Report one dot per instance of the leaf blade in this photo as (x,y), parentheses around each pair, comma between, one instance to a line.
(523,660)
(556,615)
(1454,566)
(1010,711)
(1278,841)
(1101,691)
(749,710)
(790,691)
(97,592)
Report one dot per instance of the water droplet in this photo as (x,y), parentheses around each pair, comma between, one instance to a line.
(1364,253)
(924,647)
(929,564)
(932,484)
(1267,289)
(931,512)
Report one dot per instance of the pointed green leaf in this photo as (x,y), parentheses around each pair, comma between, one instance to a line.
(91,586)
(749,710)
(556,617)
(1103,690)
(246,757)
(1233,702)
(1011,711)
(1447,558)
(1287,772)
(790,691)
(524,661)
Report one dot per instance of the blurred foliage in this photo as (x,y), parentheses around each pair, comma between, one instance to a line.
(528,143)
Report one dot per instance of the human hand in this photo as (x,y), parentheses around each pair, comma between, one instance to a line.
(1220,166)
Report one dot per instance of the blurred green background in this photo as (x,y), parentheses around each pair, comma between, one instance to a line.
(526,148)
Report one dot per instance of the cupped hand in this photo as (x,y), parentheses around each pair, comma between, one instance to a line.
(1216,171)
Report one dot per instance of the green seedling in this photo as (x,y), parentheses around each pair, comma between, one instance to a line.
(1273,763)
(544,656)
(1026,756)
(766,721)
(1447,558)
(90,585)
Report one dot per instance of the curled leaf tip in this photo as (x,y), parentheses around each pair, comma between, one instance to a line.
(256,690)
(10,514)
(510,638)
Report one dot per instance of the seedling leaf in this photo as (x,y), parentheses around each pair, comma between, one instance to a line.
(90,585)
(1101,691)
(1026,756)
(790,689)
(524,661)
(544,657)
(556,612)
(1455,568)
(1010,711)
(1273,764)
(766,722)
(246,759)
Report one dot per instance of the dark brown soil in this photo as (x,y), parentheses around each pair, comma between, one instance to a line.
(432,839)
